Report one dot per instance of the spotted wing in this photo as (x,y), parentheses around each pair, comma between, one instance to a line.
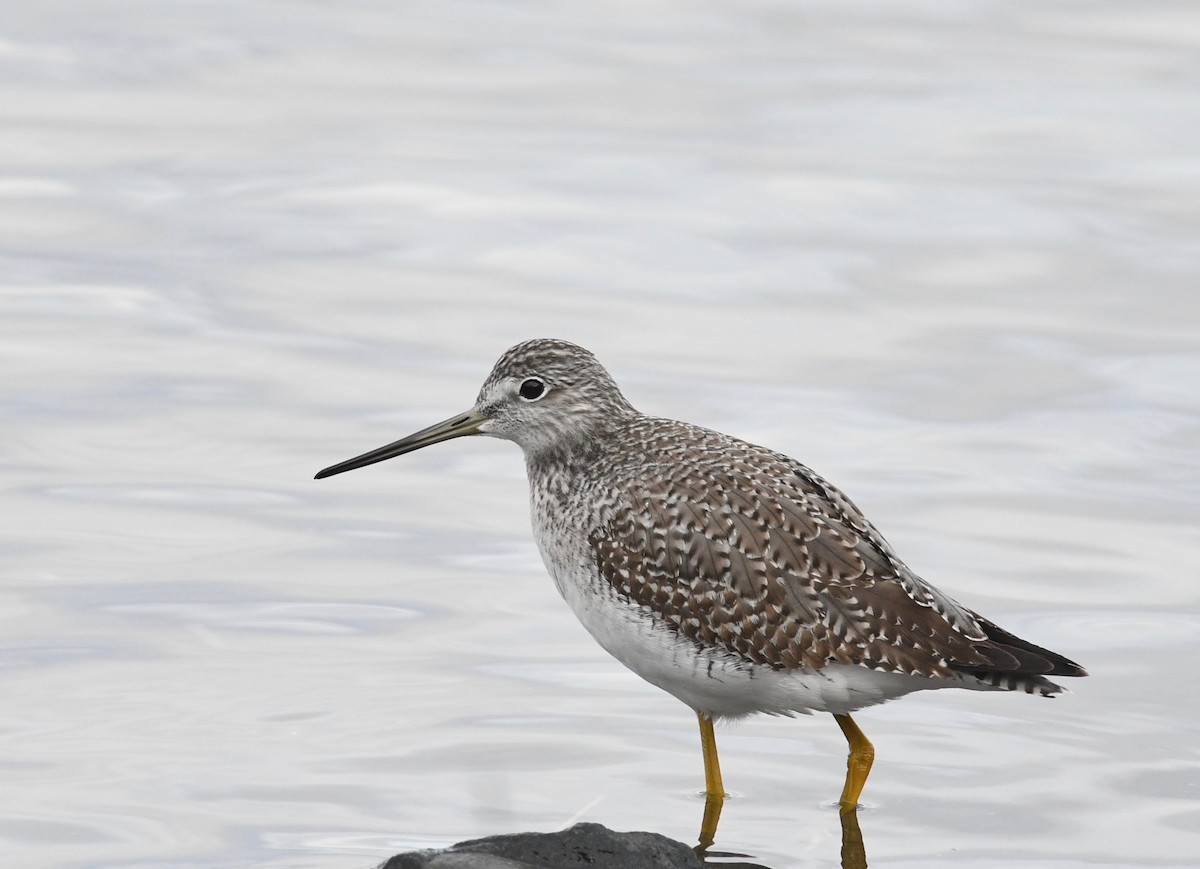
(757,555)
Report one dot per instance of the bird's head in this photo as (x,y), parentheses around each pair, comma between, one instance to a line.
(545,395)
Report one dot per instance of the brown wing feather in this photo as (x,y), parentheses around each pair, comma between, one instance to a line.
(762,558)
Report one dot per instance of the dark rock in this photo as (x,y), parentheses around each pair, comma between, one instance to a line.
(590,845)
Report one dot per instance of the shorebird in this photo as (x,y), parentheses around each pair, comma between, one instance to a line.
(727,574)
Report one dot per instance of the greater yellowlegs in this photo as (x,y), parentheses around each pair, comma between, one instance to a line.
(726,574)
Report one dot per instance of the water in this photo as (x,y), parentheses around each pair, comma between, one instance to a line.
(946,255)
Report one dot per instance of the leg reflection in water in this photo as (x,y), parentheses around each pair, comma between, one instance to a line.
(853,853)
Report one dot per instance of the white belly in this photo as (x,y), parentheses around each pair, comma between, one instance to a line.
(718,684)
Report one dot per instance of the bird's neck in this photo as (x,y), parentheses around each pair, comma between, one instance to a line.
(576,454)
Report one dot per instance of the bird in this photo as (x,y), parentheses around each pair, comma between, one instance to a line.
(727,574)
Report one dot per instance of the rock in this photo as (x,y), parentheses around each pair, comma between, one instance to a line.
(591,845)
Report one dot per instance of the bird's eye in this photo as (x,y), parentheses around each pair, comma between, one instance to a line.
(532,389)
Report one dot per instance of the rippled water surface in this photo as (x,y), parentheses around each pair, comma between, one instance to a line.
(948,255)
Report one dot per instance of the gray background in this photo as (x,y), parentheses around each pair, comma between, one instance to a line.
(946,254)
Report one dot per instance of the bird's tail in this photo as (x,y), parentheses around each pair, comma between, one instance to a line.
(1014,664)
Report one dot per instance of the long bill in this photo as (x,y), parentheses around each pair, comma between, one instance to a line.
(455,427)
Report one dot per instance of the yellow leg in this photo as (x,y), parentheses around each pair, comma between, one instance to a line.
(714,790)
(858,764)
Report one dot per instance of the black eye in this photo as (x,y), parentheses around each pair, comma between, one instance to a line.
(532,389)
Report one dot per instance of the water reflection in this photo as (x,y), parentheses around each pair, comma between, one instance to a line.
(853,851)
